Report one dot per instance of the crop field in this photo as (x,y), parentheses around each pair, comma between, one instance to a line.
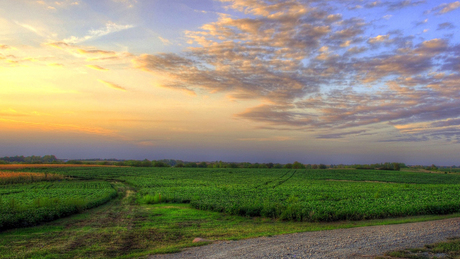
(158,210)
(32,203)
(24,177)
(301,195)
(22,166)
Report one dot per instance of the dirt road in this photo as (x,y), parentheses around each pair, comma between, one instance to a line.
(362,242)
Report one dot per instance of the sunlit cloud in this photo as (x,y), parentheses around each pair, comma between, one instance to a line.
(112,85)
(270,139)
(110,27)
(96,67)
(56,65)
(33,29)
(340,135)
(445,8)
(165,41)
(61,127)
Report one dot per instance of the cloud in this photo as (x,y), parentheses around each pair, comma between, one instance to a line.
(402,4)
(112,85)
(91,54)
(96,67)
(56,65)
(445,26)
(421,22)
(33,29)
(128,3)
(340,135)
(13,113)
(4,46)
(445,8)
(373,4)
(407,139)
(165,41)
(110,27)
(62,127)
(269,139)
(313,70)
(379,39)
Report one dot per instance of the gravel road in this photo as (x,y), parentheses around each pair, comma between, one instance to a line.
(362,242)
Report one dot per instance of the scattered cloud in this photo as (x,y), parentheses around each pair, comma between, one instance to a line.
(62,127)
(289,55)
(91,54)
(445,8)
(56,65)
(403,4)
(112,85)
(96,67)
(165,41)
(445,26)
(340,134)
(110,27)
(33,29)
(270,139)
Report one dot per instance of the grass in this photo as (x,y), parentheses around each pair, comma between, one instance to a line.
(447,249)
(124,229)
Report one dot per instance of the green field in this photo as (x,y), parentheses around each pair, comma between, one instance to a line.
(23,205)
(156,207)
(302,195)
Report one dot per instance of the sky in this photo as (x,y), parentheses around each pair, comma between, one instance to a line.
(348,81)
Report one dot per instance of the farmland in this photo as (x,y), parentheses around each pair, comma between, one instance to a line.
(27,199)
(231,203)
(303,195)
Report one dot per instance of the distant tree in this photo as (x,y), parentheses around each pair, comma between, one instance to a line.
(287,166)
(396,166)
(75,162)
(203,165)
(2,162)
(270,165)
(179,165)
(232,165)
(278,166)
(146,163)
(314,166)
(49,159)
(159,164)
(191,164)
(322,166)
(308,166)
(255,165)
(263,166)
(298,165)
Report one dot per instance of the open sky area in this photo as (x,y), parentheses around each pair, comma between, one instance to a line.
(349,81)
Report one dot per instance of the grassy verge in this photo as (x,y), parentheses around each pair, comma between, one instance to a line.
(123,229)
(447,249)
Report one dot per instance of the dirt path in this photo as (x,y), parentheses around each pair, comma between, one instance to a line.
(362,242)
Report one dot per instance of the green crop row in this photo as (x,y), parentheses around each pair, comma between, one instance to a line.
(30,204)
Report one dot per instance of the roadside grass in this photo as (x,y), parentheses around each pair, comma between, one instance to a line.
(446,249)
(123,229)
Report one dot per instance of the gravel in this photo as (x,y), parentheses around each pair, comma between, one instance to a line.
(362,242)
